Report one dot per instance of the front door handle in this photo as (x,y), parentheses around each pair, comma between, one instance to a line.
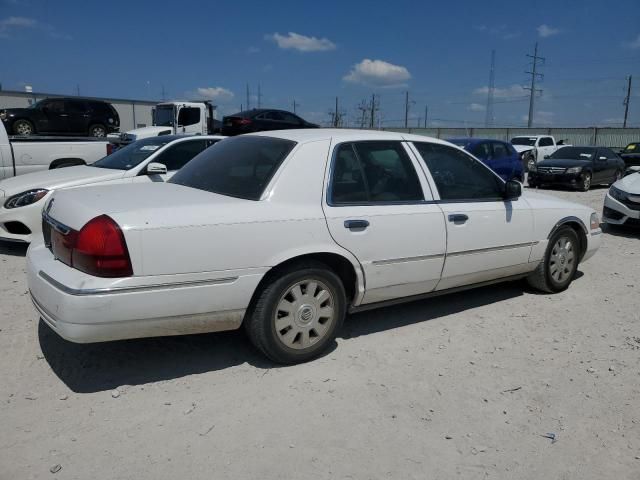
(458,218)
(356,224)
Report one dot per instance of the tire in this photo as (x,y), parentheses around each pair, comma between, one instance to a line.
(98,130)
(23,127)
(558,268)
(585,185)
(300,334)
(528,161)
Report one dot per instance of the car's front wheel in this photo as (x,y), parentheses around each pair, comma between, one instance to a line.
(585,182)
(98,131)
(556,271)
(298,313)
(23,127)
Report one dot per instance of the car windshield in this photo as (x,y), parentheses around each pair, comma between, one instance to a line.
(573,153)
(632,148)
(237,167)
(163,116)
(530,141)
(133,154)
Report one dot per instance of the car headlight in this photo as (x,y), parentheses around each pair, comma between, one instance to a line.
(25,198)
(617,194)
(574,170)
(595,221)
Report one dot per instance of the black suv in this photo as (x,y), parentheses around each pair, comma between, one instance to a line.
(62,116)
(260,119)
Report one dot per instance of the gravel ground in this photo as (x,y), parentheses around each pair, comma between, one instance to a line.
(464,386)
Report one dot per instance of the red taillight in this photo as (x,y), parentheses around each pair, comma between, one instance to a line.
(110,148)
(99,249)
(241,121)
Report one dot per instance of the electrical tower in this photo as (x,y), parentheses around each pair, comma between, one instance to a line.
(259,97)
(532,89)
(626,101)
(295,105)
(374,106)
(488,119)
(364,108)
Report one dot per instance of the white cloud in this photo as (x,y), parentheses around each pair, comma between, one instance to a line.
(545,31)
(378,73)
(476,107)
(215,93)
(302,43)
(634,43)
(11,24)
(514,91)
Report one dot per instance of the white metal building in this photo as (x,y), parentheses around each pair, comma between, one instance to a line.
(133,113)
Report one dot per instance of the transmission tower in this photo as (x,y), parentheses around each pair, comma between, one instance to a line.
(532,89)
(488,119)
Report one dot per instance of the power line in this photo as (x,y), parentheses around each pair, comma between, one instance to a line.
(626,101)
(534,77)
(488,120)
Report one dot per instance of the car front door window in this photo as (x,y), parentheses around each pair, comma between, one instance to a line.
(176,156)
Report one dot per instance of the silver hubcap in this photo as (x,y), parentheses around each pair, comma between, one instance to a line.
(98,132)
(304,314)
(587,181)
(23,129)
(561,259)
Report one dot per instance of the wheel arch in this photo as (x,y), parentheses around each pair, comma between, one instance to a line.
(72,162)
(342,264)
(578,226)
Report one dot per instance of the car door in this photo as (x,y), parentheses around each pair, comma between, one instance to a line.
(599,167)
(77,116)
(54,118)
(546,146)
(189,120)
(379,207)
(174,157)
(487,237)
(501,158)
(614,164)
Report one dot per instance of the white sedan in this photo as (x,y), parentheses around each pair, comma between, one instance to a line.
(151,160)
(285,232)
(622,203)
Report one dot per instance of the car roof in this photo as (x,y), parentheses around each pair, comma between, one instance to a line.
(173,138)
(304,135)
(474,140)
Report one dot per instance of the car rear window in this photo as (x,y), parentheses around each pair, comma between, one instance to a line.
(237,167)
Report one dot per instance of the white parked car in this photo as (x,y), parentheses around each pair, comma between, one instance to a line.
(535,148)
(288,231)
(622,203)
(152,160)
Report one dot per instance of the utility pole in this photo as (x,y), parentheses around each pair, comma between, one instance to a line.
(373,110)
(626,101)
(78,89)
(363,109)
(259,97)
(406,109)
(336,117)
(295,105)
(248,104)
(532,90)
(488,120)
(426,114)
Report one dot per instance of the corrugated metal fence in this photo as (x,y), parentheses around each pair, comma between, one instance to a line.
(604,137)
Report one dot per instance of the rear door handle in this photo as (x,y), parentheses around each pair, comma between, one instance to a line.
(458,218)
(356,224)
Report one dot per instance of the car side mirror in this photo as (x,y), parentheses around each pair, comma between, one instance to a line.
(155,168)
(512,190)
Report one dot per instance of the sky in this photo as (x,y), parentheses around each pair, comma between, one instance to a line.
(312,52)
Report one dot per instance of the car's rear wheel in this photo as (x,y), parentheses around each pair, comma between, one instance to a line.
(585,182)
(529,162)
(298,313)
(97,130)
(23,127)
(558,268)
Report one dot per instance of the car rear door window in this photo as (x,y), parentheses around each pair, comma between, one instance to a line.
(458,176)
(482,150)
(177,156)
(546,142)
(373,172)
(75,106)
(500,150)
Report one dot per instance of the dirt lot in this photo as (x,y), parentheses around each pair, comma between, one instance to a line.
(463,386)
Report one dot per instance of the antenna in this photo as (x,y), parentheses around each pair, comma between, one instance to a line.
(488,120)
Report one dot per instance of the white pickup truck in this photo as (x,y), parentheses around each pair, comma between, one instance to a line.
(20,155)
(533,148)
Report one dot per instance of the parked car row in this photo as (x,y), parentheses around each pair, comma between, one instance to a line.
(282,232)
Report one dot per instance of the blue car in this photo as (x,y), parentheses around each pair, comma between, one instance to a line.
(499,156)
